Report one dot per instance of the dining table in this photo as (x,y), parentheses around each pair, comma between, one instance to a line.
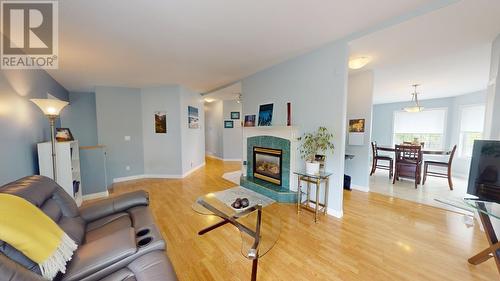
(391,148)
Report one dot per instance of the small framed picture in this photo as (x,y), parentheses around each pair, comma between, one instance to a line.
(228,124)
(235,115)
(193,118)
(249,120)
(160,122)
(64,134)
(357,126)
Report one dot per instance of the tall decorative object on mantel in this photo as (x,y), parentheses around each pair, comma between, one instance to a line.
(289,114)
(51,108)
(313,144)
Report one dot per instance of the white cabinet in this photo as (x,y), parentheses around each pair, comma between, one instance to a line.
(68,166)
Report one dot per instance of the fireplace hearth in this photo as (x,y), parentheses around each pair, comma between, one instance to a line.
(267,164)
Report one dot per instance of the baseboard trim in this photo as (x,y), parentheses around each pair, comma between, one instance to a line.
(214,157)
(193,170)
(222,159)
(130,178)
(360,188)
(96,195)
(160,176)
(335,213)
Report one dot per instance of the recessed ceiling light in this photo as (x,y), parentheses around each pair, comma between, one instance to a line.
(209,100)
(359,62)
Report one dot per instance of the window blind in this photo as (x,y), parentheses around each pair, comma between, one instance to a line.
(429,121)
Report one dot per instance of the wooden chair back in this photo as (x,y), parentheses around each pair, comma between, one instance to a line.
(374,149)
(422,144)
(408,153)
(452,154)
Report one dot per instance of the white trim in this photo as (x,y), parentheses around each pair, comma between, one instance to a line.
(222,159)
(213,156)
(360,188)
(160,176)
(95,195)
(122,179)
(335,213)
(193,169)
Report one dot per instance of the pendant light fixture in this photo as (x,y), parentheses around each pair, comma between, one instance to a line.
(414,98)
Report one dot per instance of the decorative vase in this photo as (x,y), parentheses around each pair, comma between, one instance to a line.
(312,168)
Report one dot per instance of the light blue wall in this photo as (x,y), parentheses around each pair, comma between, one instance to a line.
(162,152)
(119,114)
(232,142)
(316,86)
(213,129)
(192,140)
(93,170)
(359,106)
(82,119)
(22,124)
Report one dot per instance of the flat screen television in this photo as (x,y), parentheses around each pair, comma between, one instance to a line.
(484,175)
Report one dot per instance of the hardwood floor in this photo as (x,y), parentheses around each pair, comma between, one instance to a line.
(379,238)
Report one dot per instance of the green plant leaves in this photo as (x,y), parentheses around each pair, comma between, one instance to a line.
(315,143)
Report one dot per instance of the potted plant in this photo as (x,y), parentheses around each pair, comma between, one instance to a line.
(313,144)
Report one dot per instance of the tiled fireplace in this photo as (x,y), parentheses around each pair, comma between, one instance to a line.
(269,155)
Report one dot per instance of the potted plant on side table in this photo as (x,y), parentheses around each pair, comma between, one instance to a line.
(312,144)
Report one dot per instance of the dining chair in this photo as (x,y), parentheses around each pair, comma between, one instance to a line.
(408,163)
(446,165)
(376,157)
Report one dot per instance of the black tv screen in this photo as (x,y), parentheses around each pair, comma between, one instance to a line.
(484,175)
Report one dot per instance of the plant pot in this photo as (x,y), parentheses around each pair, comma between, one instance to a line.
(312,168)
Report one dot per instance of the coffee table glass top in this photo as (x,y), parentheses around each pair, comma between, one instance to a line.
(270,228)
(472,205)
(320,175)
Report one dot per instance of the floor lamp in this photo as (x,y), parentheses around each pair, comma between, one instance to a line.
(51,108)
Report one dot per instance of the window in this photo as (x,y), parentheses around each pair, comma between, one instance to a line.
(471,128)
(426,126)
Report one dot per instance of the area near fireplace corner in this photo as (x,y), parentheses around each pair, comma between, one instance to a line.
(270,155)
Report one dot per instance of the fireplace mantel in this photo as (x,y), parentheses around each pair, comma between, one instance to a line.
(289,133)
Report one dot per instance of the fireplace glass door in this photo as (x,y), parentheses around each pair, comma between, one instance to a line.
(267,164)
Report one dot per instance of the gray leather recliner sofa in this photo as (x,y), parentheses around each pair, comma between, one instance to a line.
(117,238)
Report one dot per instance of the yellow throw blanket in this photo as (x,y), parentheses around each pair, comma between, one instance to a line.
(32,232)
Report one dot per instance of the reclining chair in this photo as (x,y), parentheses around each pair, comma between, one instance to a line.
(117,238)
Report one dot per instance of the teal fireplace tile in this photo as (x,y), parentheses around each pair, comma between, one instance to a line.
(277,193)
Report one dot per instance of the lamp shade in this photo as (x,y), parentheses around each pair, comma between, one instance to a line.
(50,107)
(413,108)
(359,62)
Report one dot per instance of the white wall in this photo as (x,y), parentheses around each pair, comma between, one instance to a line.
(316,85)
(162,154)
(193,140)
(491,124)
(213,129)
(232,145)
(359,106)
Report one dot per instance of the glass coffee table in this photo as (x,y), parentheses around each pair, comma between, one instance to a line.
(259,226)
(488,212)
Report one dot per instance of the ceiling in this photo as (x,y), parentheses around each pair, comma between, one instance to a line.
(230,92)
(201,44)
(447,51)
